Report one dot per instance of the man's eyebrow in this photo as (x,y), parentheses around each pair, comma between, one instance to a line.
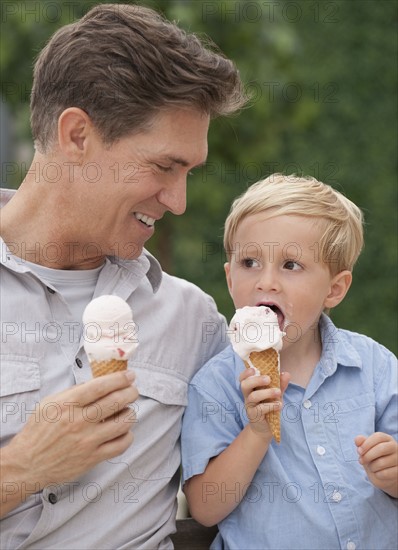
(182,162)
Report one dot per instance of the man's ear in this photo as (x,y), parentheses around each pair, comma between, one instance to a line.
(339,286)
(74,125)
(227,269)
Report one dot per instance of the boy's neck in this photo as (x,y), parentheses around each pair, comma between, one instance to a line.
(300,360)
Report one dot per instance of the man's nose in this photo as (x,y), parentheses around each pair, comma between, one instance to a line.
(174,196)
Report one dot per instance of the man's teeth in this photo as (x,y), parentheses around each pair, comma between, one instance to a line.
(150,222)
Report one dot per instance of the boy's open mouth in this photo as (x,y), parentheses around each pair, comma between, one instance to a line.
(276,309)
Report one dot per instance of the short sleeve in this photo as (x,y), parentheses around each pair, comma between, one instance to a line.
(386,390)
(213,417)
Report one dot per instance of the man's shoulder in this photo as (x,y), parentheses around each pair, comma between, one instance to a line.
(189,292)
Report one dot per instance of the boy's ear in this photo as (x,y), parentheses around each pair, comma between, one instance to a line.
(227,269)
(74,125)
(339,286)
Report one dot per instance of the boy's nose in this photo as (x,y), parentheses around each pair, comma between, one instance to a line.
(268,280)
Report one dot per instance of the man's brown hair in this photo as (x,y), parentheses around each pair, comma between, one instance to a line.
(121,64)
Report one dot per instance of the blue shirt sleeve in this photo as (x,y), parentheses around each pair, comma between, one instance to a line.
(214,415)
(386,391)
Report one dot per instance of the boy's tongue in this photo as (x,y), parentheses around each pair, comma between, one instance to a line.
(278,313)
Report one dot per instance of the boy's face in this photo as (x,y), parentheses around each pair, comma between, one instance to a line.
(274,262)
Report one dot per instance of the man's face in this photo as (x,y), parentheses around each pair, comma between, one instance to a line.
(130,185)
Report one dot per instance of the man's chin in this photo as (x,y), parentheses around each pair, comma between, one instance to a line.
(127,251)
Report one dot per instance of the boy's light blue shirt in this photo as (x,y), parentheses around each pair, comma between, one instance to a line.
(310,491)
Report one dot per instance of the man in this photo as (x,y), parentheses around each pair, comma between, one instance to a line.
(120,109)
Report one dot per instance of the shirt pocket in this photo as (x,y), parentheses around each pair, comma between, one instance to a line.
(354,416)
(19,393)
(155,451)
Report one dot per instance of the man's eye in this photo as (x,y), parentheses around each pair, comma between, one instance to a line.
(164,168)
(291,265)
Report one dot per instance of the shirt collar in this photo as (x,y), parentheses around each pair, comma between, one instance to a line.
(336,350)
(145,262)
(148,263)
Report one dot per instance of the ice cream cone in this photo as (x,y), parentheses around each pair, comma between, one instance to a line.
(267,362)
(99,368)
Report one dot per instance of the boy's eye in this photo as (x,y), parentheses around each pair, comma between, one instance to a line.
(291,265)
(250,262)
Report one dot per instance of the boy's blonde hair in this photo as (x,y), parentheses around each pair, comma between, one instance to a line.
(340,220)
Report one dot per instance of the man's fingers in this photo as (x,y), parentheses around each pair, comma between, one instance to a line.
(115,402)
(115,446)
(117,425)
(95,389)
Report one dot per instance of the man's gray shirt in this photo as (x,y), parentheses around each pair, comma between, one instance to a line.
(128,501)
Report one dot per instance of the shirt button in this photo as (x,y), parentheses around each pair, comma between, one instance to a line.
(79,362)
(51,290)
(320,450)
(337,496)
(52,498)
(307,404)
(351,545)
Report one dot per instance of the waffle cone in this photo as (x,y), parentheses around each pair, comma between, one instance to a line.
(99,368)
(267,362)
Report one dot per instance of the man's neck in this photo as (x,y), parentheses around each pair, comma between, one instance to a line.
(32,229)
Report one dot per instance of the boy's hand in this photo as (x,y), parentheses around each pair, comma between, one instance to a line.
(255,391)
(378,454)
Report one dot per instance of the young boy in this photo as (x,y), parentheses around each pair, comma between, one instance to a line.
(332,482)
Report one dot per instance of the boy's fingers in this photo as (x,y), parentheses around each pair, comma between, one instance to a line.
(359,440)
(253,381)
(285,379)
(381,451)
(371,441)
(246,374)
(261,395)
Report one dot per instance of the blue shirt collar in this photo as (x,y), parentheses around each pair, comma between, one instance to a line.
(335,351)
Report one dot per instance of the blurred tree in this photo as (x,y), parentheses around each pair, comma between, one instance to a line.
(322,77)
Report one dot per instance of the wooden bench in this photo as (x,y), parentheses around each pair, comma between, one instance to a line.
(193,536)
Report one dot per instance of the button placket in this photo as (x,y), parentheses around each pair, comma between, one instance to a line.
(337,496)
(320,450)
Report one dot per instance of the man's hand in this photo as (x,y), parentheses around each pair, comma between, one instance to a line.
(255,391)
(378,454)
(68,434)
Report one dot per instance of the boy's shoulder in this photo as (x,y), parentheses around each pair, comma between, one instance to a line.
(222,368)
(346,341)
(363,344)
(351,348)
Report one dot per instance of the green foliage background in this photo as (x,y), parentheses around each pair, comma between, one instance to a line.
(323,81)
